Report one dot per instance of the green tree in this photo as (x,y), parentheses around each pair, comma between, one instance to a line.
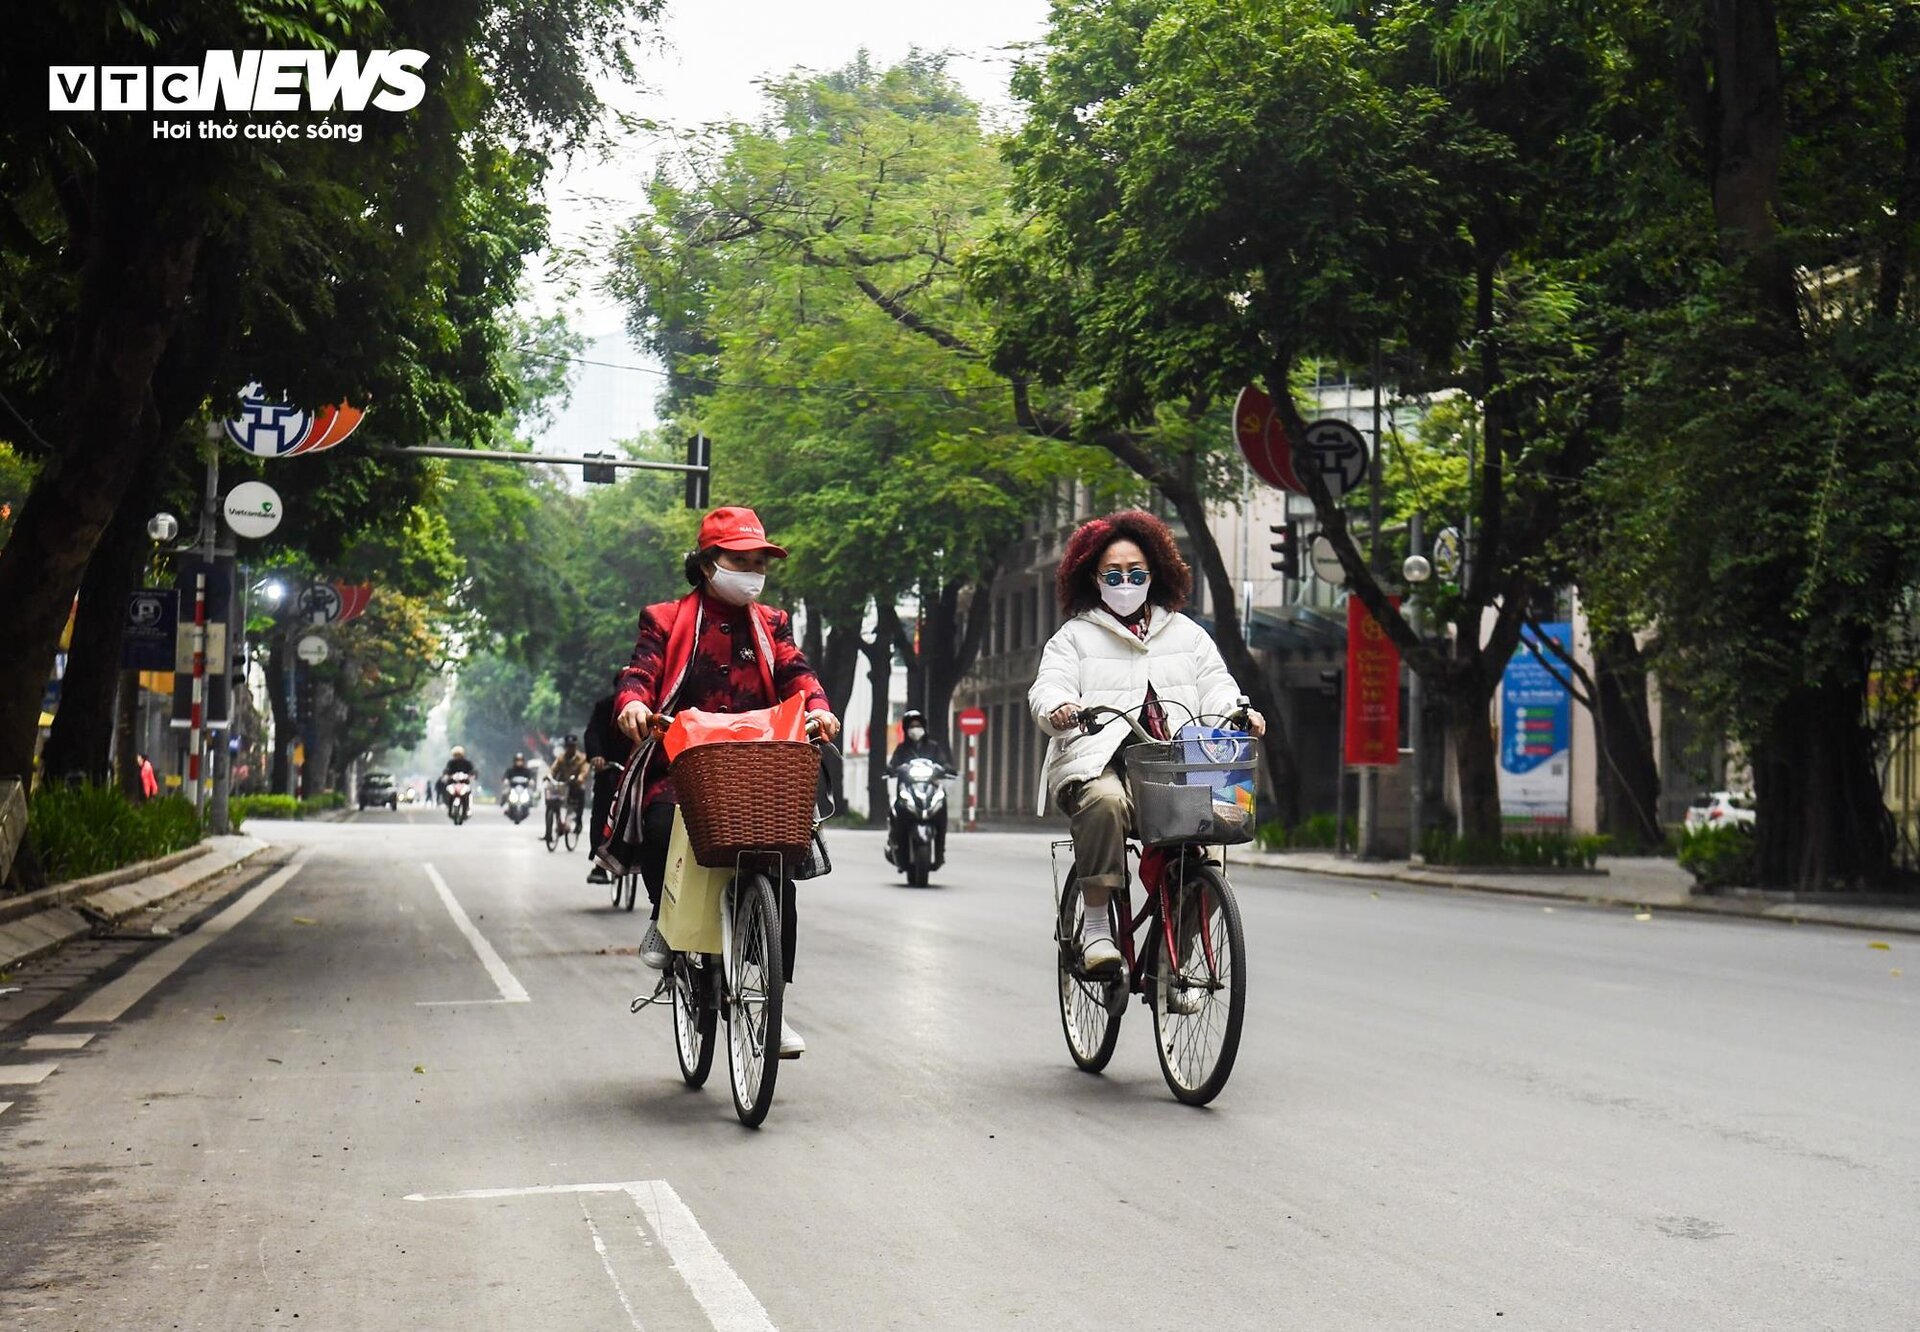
(130,273)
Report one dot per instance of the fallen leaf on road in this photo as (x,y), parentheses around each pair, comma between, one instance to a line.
(1548,910)
(1374,895)
(219,1017)
(1894,972)
(304,920)
(1643,915)
(419,1068)
(1883,947)
(272,1060)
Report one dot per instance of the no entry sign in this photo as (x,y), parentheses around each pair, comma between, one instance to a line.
(971,722)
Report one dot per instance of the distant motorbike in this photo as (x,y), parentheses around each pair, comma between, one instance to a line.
(459,797)
(519,798)
(916,842)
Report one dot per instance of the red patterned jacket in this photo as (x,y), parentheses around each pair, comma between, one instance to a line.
(699,652)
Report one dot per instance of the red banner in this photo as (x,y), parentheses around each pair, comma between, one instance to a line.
(1373,691)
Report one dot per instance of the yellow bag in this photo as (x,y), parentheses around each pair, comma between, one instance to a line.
(692,898)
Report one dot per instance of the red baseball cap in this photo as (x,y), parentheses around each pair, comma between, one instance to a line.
(736,529)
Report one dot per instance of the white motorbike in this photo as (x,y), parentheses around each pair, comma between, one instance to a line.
(915,842)
(519,798)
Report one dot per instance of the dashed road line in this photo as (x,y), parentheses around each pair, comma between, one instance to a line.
(60,1040)
(110,1002)
(729,1305)
(25,1075)
(511,990)
(5,1106)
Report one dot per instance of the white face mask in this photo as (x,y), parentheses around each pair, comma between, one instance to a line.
(734,587)
(1125,599)
(916,733)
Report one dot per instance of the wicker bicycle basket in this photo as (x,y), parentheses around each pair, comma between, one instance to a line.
(1193,790)
(747,795)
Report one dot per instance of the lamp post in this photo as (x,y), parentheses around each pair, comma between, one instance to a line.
(1416,570)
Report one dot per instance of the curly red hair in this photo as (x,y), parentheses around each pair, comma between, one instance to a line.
(1073,584)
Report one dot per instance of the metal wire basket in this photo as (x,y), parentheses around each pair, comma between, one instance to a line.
(1194,789)
(747,795)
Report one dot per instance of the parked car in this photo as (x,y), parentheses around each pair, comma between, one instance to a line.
(1718,809)
(377,788)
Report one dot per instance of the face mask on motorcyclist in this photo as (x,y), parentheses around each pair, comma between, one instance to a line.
(1126,598)
(734,586)
(916,733)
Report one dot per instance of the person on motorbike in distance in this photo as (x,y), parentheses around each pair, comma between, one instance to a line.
(1124,645)
(915,742)
(457,763)
(517,768)
(570,766)
(604,747)
(718,650)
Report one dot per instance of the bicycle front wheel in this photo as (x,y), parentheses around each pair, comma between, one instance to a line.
(693,1019)
(1090,1007)
(1200,1000)
(552,835)
(571,831)
(756,979)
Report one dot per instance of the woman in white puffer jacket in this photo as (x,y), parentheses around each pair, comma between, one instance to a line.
(1125,644)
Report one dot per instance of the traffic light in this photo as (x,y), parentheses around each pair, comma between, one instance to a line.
(1286,550)
(699,454)
(596,473)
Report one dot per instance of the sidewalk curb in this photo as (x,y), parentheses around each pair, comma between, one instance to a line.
(1885,920)
(117,895)
(59,894)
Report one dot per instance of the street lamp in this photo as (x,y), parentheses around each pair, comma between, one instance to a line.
(163,527)
(273,592)
(1416,569)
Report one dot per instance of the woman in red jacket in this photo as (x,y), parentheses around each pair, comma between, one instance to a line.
(716,649)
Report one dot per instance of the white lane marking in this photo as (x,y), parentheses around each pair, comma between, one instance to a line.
(25,1075)
(460,1003)
(729,1305)
(111,1001)
(5,1106)
(600,1247)
(511,990)
(60,1040)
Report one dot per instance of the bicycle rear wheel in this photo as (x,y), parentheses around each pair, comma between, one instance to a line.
(756,979)
(693,1018)
(630,883)
(1090,1007)
(1197,1047)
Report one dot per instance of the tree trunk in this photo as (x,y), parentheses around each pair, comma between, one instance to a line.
(126,718)
(138,271)
(81,740)
(950,640)
(879,655)
(1629,774)
(1476,762)
(1821,823)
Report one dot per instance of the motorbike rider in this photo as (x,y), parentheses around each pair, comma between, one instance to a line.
(604,747)
(570,766)
(517,768)
(716,649)
(458,762)
(917,743)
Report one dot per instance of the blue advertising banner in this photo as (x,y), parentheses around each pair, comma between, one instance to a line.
(1536,736)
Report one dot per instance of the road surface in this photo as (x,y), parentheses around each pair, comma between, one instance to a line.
(394,1084)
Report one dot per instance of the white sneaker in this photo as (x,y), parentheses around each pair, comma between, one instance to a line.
(653,949)
(792,1043)
(1100,954)
(1186,1002)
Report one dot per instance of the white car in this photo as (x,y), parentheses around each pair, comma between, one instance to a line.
(1718,809)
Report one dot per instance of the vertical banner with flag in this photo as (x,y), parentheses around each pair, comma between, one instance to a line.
(1373,691)
(1536,733)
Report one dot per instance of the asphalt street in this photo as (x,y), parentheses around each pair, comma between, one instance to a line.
(393,1083)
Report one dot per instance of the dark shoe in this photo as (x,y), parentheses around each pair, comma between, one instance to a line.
(598,875)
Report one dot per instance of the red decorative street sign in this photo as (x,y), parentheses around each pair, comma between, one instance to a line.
(971,722)
(1373,691)
(1263,442)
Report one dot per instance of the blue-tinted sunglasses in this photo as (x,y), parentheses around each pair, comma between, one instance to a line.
(1115,577)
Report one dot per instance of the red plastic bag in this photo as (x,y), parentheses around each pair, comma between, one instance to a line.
(693,727)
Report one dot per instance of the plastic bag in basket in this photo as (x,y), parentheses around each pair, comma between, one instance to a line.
(1226,764)
(693,727)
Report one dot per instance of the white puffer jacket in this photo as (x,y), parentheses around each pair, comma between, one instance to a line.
(1093,660)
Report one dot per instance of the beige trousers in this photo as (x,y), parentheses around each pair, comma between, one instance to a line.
(1099,813)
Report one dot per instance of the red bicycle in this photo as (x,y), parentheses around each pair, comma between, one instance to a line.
(1190,794)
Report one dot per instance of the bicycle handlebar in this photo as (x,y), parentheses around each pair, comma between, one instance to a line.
(1089,720)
